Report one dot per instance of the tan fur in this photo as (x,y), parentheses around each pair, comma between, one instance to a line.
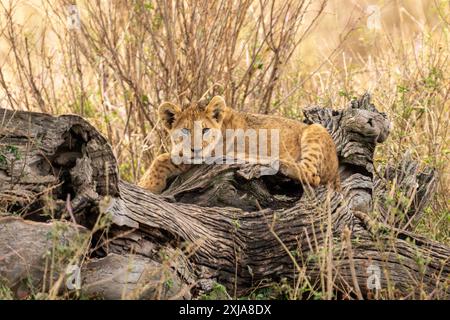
(307,152)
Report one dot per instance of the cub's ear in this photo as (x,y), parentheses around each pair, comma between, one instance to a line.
(216,108)
(167,113)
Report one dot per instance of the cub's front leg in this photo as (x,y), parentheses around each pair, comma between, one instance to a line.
(162,169)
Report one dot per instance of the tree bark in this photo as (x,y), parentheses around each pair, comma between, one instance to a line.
(221,223)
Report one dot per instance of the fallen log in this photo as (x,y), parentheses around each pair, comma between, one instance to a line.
(225,223)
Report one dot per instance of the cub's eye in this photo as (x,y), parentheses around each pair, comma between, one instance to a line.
(205,130)
(185,131)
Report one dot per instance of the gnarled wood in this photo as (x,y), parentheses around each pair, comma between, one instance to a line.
(226,223)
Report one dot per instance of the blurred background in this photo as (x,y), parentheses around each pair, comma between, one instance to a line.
(113,62)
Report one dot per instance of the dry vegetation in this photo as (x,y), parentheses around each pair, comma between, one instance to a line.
(125,57)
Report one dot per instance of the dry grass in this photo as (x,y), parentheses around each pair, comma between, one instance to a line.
(263,55)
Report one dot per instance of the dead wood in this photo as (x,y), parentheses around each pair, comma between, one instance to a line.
(221,223)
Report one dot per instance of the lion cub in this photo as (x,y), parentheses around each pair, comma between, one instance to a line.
(304,152)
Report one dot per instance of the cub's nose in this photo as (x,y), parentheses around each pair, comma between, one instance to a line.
(196,150)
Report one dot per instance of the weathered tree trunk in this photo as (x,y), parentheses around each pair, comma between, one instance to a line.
(220,223)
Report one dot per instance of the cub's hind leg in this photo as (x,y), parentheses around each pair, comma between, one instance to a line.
(299,171)
(161,169)
(318,161)
(308,169)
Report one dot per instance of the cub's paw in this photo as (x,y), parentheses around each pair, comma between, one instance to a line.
(310,178)
(153,185)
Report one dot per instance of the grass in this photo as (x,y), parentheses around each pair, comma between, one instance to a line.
(128,56)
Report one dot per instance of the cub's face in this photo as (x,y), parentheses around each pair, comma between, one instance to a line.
(194,131)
